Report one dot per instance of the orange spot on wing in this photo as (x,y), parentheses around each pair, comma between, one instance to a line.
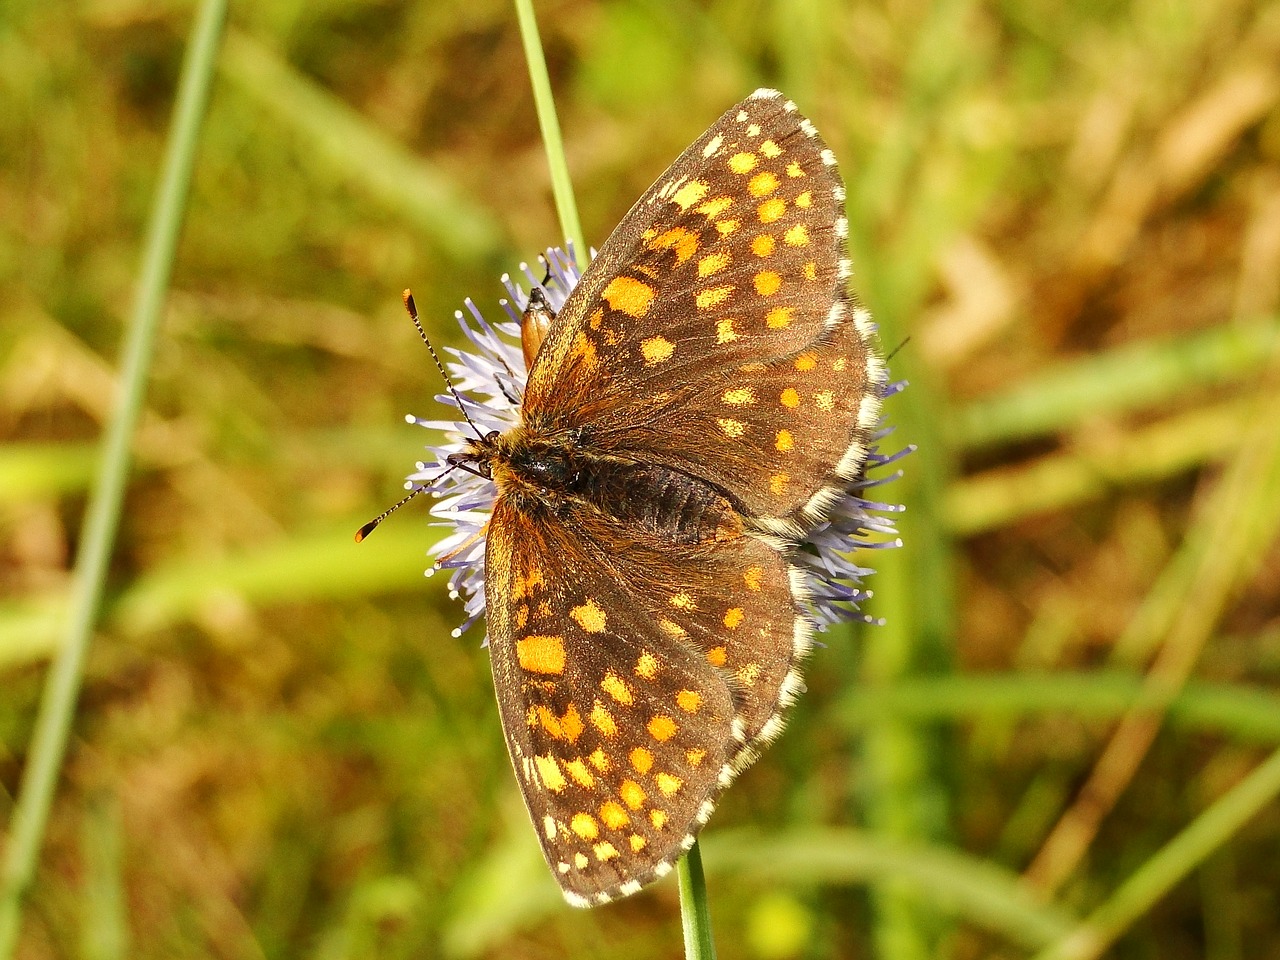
(662,728)
(767,283)
(733,617)
(541,654)
(641,760)
(628,295)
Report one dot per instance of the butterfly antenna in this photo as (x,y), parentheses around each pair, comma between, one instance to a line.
(412,307)
(894,352)
(372,525)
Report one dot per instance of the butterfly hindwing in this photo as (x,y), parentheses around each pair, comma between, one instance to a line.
(634,682)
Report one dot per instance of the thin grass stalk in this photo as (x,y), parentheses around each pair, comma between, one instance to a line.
(693,890)
(1170,865)
(694,913)
(62,687)
(544,103)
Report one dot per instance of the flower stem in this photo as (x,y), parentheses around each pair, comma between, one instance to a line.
(561,185)
(62,687)
(698,944)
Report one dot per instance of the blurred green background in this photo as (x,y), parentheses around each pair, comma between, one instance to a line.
(1072,211)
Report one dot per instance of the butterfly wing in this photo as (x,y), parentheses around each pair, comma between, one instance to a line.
(715,320)
(634,682)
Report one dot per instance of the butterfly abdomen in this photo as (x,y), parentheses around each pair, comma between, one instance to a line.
(557,473)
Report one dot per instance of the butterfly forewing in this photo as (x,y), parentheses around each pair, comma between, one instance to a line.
(715,321)
(732,255)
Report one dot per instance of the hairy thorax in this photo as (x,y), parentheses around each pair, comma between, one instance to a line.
(563,472)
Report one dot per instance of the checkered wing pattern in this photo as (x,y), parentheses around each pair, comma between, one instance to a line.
(703,396)
(634,683)
(713,332)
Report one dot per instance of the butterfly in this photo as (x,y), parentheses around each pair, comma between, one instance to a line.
(693,411)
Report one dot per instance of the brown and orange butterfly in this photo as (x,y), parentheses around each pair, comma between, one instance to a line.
(694,411)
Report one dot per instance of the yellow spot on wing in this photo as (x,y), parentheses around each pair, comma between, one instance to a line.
(632,794)
(726,227)
(712,263)
(718,656)
(739,396)
(783,442)
(657,349)
(571,724)
(779,318)
(580,861)
(731,428)
(662,728)
(712,297)
(794,169)
(637,842)
(797,236)
(613,816)
(603,720)
(691,193)
(804,200)
(724,330)
(778,483)
(790,398)
(770,149)
(695,756)
(713,208)
(658,818)
(749,674)
(806,362)
(672,629)
(589,617)
(668,783)
(549,773)
(616,687)
(605,850)
(585,826)
(684,242)
(762,245)
(771,210)
(580,774)
(541,654)
(825,399)
(763,184)
(600,760)
(810,270)
(743,162)
(753,578)
(682,601)
(647,666)
(733,617)
(712,145)
(629,296)
(641,759)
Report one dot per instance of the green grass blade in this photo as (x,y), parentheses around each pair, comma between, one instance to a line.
(1184,853)
(544,102)
(57,707)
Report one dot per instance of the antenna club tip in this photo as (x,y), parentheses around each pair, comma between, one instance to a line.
(407,297)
